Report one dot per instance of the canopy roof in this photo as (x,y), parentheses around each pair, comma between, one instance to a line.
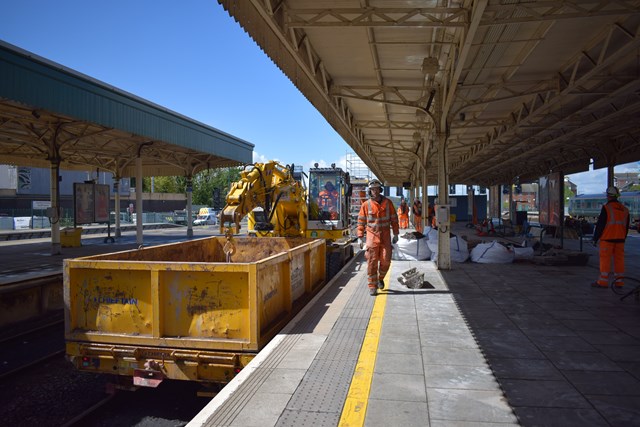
(519,89)
(50,112)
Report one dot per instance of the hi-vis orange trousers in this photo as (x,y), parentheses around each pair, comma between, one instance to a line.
(418,223)
(611,251)
(378,263)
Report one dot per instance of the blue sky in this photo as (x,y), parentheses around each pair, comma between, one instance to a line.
(191,57)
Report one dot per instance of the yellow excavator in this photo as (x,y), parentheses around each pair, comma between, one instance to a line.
(276,203)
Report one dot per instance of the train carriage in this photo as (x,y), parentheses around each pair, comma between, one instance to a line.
(589,205)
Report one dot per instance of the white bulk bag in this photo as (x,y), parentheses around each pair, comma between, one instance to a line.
(459,249)
(491,253)
(432,240)
(411,250)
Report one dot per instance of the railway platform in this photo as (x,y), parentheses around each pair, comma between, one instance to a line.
(479,345)
(29,255)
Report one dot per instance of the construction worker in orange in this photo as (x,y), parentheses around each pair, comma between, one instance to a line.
(416,209)
(611,230)
(403,214)
(377,215)
(432,216)
(327,200)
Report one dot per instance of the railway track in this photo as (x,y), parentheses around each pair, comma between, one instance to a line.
(30,344)
(174,403)
(40,336)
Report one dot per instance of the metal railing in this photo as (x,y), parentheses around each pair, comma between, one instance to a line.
(36,219)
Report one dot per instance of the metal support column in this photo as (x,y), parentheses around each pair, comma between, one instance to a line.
(189,206)
(116,190)
(139,238)
(444,235)
(54,217)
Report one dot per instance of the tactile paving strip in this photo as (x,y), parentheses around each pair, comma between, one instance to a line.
(352,323)
(305,418)
(344,344)
(319,398)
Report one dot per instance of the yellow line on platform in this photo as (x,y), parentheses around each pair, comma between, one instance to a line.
(355,407)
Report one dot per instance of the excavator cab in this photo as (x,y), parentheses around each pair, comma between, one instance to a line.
(329,192)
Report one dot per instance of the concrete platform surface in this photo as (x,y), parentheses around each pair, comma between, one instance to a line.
(480,345)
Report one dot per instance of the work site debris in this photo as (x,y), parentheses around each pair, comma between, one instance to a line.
(561,257)
(412,279)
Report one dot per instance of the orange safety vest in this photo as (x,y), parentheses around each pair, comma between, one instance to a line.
(617,220)
(326,199)
(376,218)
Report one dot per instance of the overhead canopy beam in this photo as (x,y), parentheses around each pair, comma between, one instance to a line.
(376,17)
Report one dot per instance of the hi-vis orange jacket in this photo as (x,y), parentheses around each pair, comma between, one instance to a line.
(376,217)
(613,223)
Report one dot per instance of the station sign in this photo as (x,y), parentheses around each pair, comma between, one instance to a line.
(41,204)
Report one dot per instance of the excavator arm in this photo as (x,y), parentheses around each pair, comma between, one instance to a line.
(271,187)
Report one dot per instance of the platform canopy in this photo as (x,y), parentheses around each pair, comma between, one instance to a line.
(517,88)
(50,113)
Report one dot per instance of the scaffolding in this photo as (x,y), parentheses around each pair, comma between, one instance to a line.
(357,168)
(359,175)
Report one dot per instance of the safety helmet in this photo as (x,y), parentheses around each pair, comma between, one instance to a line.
(374,183)
(612,192)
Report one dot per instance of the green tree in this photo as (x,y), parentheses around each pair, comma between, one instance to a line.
(167,184)
(207,181)
(146,183)
(567,192)
(204,184)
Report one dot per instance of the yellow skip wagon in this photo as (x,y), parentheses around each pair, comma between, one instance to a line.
(181,311)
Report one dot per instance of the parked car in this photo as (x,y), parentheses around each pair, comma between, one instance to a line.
(207,219)
(180,217)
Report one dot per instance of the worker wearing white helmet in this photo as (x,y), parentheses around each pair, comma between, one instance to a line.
(377,215)
(611,230)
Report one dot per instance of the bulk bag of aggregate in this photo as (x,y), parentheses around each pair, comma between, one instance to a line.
(411,250)
(491,253)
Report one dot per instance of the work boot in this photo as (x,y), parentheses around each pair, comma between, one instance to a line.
(373,292)
(380,284)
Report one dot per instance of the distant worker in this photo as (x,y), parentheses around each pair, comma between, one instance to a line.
(403,214)
(611,230)
(416,209)
(431,216)
(376,216)
(328,199)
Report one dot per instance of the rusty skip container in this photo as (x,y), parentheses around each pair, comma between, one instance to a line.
(180,311)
